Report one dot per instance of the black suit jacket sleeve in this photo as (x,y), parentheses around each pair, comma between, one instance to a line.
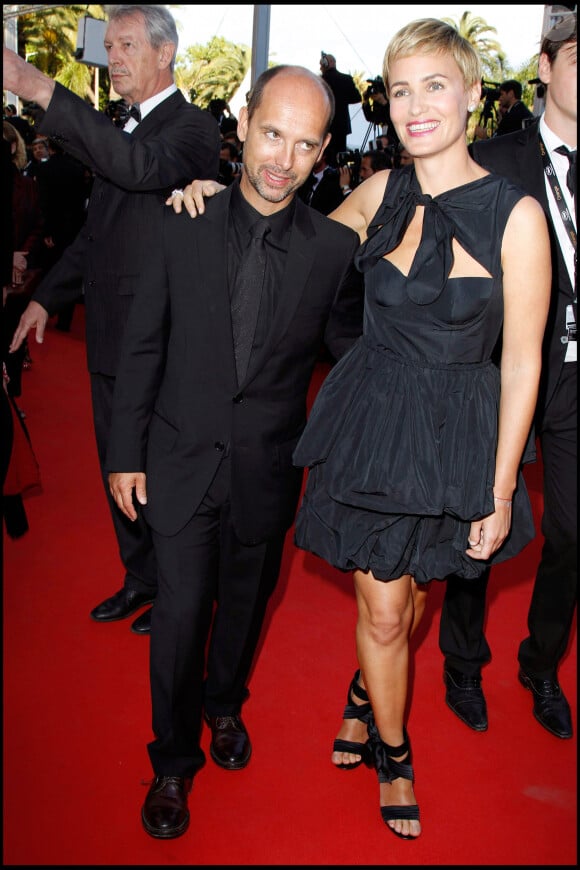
(343,86)
(517,157)
(133,175)
(514,120)
(183,146)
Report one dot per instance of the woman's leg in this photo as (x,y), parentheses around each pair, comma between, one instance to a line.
(386,615)
(353,729)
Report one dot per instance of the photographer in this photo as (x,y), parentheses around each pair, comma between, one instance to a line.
(327,185)
(376,109)
(230,163)
(345,92)
(374,161)
(375,105)
(514,114)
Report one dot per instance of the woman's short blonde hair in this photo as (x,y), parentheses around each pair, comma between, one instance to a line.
(432,36)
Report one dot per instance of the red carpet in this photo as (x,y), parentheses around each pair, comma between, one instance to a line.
(77,715)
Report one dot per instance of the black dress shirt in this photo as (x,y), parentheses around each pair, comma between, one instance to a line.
(242,216)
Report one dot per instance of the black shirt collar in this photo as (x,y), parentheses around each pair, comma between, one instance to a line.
(244,215)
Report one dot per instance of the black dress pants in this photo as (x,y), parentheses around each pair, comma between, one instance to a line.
(213,593)
(553,602)
(461,628)
(134,538)
(555,588)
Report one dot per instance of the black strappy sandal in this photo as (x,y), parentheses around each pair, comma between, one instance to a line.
(355,711)
(388,770)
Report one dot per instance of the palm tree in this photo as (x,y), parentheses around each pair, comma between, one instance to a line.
(475,30)
(212,71)
(47,38)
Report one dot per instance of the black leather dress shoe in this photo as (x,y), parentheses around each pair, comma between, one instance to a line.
(465,697)
(165,813)
(551,708)
(120,605)
(142,625)
(230,745)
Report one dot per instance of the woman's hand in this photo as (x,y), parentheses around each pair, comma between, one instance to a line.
(487,535)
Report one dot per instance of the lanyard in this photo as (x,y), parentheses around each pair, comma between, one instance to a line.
(562,207)
(569,227)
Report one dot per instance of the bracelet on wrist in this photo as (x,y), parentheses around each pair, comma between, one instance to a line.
(345,188)
(503,500)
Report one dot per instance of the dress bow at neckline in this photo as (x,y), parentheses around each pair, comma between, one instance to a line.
(433,259)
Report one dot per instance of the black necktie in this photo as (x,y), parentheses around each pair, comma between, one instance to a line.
(246,296)
(571,174)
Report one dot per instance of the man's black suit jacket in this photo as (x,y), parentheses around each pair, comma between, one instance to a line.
(512,121)
(517,157)
(178,408)
(345,93)
(134,174)
(328,193)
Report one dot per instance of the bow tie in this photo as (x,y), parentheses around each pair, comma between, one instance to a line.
(122,113)
(135,112)
(571,174)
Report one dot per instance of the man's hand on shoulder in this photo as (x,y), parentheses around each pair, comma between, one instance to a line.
(193,196)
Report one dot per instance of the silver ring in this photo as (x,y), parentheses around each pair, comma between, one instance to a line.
(177,192)
(472,543)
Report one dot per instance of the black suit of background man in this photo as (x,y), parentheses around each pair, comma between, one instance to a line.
(133,175)
(462,641)
(345,93)
(175,142)
(322,190)
(64,187)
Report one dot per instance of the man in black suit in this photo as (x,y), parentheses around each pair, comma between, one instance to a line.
(64,190)
(204,441)
(345,93)
(515,115)
(323,190)
(135,169)
(531,159)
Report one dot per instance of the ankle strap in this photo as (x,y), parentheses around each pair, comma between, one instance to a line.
(384,756)
(357,689)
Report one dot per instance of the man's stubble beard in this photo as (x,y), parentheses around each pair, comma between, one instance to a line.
(266,192)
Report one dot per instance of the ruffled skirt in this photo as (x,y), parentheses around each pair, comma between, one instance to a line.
(401,459)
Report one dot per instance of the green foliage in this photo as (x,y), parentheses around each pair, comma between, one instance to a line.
(212,71)
(493,59)
(476,30)
(48,39)
(525,74)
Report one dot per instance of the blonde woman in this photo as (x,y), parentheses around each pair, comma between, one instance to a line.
(416,438)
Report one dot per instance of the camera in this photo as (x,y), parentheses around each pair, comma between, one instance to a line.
(376,86)
(352,159)
(490,90)
(348,158)
(323,60)
(540,88)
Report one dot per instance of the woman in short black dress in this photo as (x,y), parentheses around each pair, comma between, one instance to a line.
(416,438)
